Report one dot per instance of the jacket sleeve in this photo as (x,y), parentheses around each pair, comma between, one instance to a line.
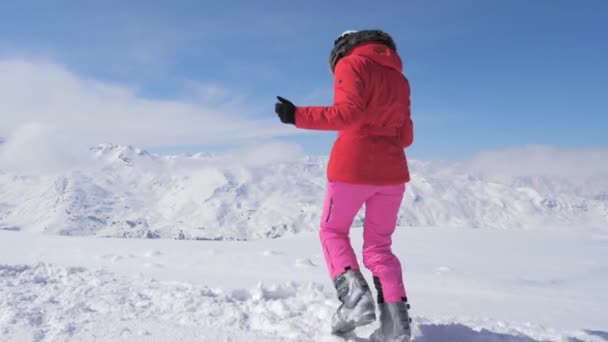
(407,133)
(349,101)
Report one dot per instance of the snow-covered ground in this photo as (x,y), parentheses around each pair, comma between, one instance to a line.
(464,285)
(124,191)
(518,256)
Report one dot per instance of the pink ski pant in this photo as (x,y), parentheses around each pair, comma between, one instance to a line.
(382,203)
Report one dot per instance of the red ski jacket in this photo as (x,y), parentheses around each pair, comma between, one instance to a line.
(371,113)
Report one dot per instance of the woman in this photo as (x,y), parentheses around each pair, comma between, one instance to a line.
(371,112)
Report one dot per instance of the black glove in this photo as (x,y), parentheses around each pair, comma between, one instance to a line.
(285,110)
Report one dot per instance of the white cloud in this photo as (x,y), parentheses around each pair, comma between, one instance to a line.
(540,160)
(89,112)
(550,170)
(580,171)
(214,94)
(268,153)
(253,156)
(37,148)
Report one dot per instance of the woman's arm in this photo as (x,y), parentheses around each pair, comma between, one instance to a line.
(349,101)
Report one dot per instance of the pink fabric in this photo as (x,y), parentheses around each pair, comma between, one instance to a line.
(382,203)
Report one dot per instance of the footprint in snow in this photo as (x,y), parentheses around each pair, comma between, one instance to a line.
(443,270)
(305,263)
(151,254)
(240,295)
(115,257)
(271,253)
(111,257)
(126,332)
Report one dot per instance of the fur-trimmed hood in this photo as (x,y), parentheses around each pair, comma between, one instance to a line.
(344,45)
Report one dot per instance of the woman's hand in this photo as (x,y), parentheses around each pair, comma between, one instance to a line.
(285,110)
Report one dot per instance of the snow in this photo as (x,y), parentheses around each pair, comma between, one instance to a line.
(134,246)
(464,285)
(126,192)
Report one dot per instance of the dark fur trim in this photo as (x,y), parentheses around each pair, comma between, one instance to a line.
(345,45)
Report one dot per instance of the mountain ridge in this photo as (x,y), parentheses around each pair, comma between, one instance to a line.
(131,193)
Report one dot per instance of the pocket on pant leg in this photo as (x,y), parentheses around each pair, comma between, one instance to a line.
(331,206)
(327,203)
(342,203)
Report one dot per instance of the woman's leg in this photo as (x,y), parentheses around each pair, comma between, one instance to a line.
(381,212)
(342,202)
(341,206)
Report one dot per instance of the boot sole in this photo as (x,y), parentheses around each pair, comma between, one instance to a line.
(365,320)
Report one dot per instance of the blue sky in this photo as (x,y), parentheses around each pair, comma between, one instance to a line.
(485,73)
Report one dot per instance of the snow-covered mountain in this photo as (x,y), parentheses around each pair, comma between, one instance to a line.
(128,192)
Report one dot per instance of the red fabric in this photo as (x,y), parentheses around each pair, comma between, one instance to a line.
(371,112)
